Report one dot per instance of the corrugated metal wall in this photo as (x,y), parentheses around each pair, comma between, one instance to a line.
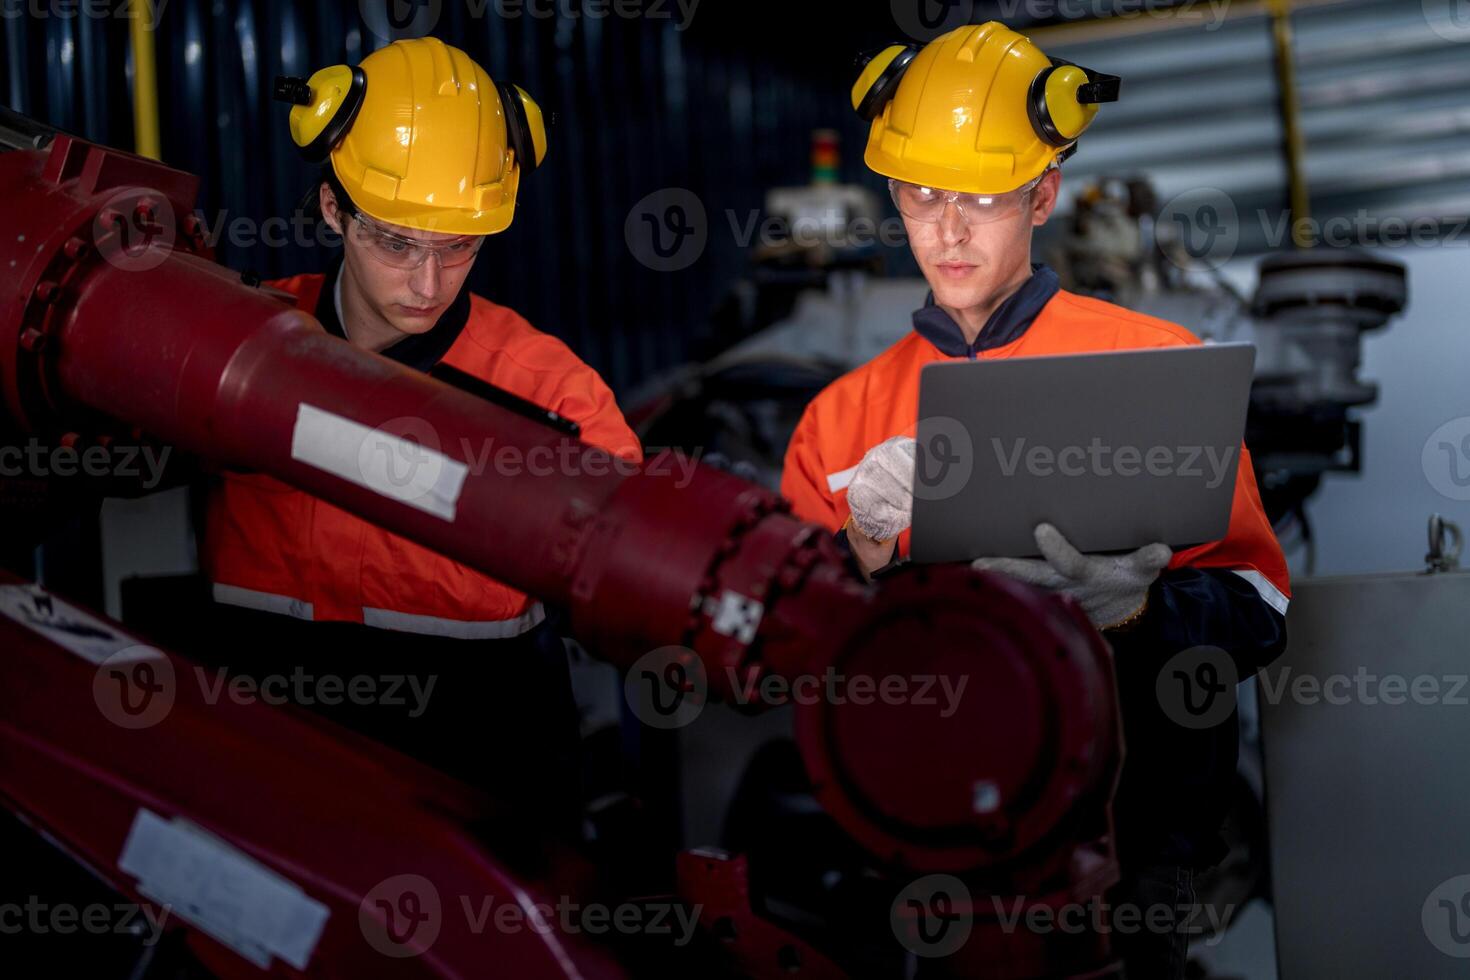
(1384,87)
(639,104)
(726,107)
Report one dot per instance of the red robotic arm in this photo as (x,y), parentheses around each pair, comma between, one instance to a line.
(113,310)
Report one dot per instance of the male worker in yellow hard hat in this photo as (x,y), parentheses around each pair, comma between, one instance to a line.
(424,156)
(970,130)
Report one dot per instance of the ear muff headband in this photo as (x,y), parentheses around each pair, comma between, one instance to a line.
(1059,103)
(520,131)
(880,78)
(327,104)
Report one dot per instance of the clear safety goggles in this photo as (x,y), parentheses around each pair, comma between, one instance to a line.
(409,253)
(927,204)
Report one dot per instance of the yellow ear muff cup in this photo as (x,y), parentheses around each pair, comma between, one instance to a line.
(1068,114)
(337,94)
(536,127)
(1057,114)
(525,128)
(880,78)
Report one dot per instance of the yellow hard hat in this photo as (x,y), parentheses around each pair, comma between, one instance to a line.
(979,110)
(419,135)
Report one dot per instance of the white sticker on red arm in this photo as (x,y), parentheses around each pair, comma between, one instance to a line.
(411,471)
(76,630)
(222,891)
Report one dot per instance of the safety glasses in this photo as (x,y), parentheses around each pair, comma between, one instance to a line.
(927,204)
(408,253)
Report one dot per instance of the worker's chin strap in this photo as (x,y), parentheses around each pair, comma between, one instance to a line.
(421,351)
(1009,321)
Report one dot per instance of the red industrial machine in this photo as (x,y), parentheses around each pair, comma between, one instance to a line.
(114,319)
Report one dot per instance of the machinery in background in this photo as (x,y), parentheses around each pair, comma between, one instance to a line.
(821,236)
(1389,652)
(1310,312)
(820,249)
(1307,319)
(283,843)
(825,225)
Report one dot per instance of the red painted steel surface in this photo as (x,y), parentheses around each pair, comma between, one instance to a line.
(95,326)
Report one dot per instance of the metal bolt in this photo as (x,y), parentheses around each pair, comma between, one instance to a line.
(32,340)
(987,796)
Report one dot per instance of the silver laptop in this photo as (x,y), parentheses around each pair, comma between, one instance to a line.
(1117,449)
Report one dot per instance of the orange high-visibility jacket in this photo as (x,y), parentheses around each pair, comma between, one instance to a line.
(270,547)
(881,399)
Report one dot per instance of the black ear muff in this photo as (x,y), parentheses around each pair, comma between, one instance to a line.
(518,127)
(880,90)
(345,87)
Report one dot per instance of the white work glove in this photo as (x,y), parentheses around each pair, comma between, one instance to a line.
(1111,589)
(881,494)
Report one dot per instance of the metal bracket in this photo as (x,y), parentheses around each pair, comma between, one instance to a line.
(1445,543)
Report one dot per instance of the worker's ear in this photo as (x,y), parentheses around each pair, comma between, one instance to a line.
(331,214)
(1045,198)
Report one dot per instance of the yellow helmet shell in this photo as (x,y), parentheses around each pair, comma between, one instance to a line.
(428,149)
(959,119)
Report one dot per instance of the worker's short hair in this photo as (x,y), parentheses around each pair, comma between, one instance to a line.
(311,202)
(344,199)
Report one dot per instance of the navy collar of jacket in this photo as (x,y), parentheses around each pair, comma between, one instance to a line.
(1009,321)
(421,351)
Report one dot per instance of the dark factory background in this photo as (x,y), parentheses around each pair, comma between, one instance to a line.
(724,107)
(722,100)
(1363,127)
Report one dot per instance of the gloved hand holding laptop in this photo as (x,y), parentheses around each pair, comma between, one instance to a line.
(1112,589)
(881,494)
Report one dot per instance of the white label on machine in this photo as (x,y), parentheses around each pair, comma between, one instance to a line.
(76,630)
(225,893)
(738,616)
(410,470)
